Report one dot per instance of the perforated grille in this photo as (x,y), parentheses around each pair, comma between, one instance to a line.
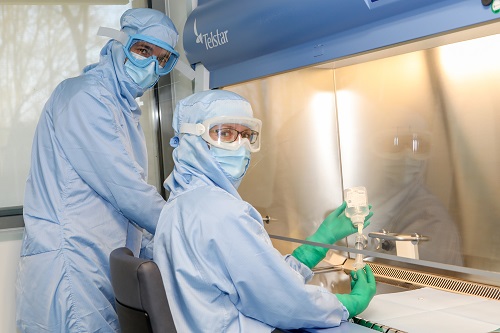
(410,279)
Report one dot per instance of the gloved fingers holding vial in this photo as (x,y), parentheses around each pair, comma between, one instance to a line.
(342,222)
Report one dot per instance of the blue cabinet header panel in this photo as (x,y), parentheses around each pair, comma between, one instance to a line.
(239,40)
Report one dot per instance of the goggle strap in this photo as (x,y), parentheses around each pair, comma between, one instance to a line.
(196,129)
(117,35)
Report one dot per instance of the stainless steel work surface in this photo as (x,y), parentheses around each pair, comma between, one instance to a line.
(432,310)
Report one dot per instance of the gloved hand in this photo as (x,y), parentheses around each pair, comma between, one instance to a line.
(363,289)
(335,227)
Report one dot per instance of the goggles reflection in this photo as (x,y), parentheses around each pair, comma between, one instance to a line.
(415,144)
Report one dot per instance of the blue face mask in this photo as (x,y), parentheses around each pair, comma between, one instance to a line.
(145,77)
(233,162)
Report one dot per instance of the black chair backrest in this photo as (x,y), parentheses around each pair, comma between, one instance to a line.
(141,301)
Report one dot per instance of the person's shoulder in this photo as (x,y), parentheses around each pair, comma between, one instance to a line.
(207,196)
(222,196)
(78,86)
(214,201)
(70,94)
(210,213)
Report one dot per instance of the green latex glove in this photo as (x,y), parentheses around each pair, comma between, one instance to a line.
(363,289)
(335,227)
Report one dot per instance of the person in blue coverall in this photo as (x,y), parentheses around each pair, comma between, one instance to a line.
(220,270)
(87,190)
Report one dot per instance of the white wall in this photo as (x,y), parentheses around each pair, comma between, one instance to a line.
(10,247)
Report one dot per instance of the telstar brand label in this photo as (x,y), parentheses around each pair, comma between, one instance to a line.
(211,39)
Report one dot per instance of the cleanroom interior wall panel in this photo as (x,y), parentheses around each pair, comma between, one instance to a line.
(469,91)
(10,247)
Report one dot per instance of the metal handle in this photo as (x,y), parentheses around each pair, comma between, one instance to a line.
(328,269)
(390,236)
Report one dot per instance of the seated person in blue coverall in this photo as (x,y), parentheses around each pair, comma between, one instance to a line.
(220,270)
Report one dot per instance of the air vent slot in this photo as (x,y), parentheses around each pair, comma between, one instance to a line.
(413,279)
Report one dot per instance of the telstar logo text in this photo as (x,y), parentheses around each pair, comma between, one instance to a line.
(212,39)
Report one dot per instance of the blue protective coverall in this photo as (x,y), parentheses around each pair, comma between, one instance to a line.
(220,270)
(86,195)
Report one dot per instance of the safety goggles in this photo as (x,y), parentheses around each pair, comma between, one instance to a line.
(227,132)
(415,144)
(151,50)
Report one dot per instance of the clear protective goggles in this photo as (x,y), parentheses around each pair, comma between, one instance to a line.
(415,144)
(151,50)
(228,132)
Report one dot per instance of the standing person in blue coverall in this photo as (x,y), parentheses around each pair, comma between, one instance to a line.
(220,270)
(87,190)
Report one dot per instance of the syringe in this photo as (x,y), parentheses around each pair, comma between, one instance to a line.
(357,208)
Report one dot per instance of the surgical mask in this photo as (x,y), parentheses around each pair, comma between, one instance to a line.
(145,77)
(233,162)
(402,172)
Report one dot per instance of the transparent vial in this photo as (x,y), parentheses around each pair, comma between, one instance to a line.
(357,205)
(357,209)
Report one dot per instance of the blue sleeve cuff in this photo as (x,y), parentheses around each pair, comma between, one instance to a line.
(299,267)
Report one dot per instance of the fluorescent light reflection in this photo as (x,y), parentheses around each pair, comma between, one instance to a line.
(323,148)
(349,116)
(323,124)
(470,58)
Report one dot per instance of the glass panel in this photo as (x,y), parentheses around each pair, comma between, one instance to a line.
(298,167)
(419,130)
(41,45)
(392,120)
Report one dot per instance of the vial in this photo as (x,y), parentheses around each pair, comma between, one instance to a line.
(357,205)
